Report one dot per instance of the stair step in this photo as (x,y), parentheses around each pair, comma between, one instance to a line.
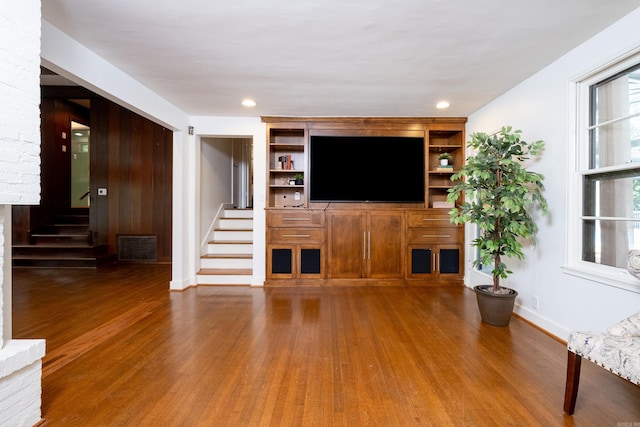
(63,228)
(227,276)
(66,262)
(215,248)
(59,251)
(233,236)
(229,258)
(236,224)
(226,261)
(243,256)
(59,239)
(225,271)
(66,242)
(72,219)
(237,213)
(65,235)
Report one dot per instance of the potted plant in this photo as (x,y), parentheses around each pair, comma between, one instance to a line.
(299,178)
(444,158)
(500,194)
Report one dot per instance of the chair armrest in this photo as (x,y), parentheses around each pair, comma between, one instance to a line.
(629,327)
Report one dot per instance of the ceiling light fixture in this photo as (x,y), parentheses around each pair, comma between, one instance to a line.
(442,104)
(249,103)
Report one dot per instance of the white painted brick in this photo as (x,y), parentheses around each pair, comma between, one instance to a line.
(20,360)
(20,397)
(19,102)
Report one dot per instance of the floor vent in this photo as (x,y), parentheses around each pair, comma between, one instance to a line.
(137,248)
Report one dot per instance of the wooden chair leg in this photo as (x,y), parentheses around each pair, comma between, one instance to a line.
(573,379)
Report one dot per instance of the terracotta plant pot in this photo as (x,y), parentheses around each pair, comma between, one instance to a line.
(495,309)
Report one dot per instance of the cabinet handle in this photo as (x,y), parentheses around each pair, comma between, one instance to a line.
(435,235)
(364,245)
(296,235)
(369,245)
(296,219)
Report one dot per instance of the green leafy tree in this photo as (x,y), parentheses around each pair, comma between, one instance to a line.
(499,195)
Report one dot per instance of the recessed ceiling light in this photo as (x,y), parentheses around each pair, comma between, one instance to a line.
(249,103)
(442,104)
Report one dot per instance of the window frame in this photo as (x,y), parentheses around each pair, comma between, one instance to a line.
(578,167)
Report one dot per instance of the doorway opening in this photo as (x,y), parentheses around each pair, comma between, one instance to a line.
(80,165)
(242,181)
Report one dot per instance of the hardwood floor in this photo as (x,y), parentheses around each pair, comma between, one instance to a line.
(124,351)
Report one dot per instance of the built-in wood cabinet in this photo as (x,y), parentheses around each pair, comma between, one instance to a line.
(338,243)
(366,244)
(434,247)
(295,244)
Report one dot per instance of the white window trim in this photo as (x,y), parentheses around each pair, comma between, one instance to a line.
(577,155)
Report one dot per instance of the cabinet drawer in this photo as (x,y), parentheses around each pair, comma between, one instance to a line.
(295,219)
(422,219)
(434,235)
(296,235)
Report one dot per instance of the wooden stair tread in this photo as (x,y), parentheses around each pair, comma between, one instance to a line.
(230,256)
(54,257)
(59,235)
(226,271)
(61,245)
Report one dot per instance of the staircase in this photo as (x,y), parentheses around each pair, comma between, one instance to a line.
(64,243)
(229,256)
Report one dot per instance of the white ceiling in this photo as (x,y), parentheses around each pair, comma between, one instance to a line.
(332,57)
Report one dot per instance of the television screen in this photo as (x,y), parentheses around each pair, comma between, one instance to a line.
(366,169)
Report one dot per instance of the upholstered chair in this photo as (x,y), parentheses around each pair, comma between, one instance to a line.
(617,350)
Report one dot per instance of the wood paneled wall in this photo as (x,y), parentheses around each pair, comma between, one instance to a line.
(132,157)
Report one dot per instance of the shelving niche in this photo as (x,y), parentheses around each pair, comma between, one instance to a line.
(287,158)
(440,140)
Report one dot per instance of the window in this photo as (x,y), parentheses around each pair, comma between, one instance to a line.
(608,163)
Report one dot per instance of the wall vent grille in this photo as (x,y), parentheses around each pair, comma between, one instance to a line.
(137,248)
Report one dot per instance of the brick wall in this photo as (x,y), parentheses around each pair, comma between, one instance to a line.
(19,102)
(20,360)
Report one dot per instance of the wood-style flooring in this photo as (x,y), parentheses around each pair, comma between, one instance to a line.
(122,350)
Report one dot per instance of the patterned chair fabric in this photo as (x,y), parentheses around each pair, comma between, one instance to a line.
(617,350)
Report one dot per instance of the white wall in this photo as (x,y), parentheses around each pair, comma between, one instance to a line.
(246,127)
(541,108)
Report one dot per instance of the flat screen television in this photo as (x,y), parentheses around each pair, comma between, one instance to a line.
(373,169)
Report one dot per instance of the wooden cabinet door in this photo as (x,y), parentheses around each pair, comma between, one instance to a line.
(385,244)
(346,238)
(442,262)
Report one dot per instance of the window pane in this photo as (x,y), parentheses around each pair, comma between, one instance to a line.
(617,100)
(616,143)
(608,242)
(614,198)
(614,194)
